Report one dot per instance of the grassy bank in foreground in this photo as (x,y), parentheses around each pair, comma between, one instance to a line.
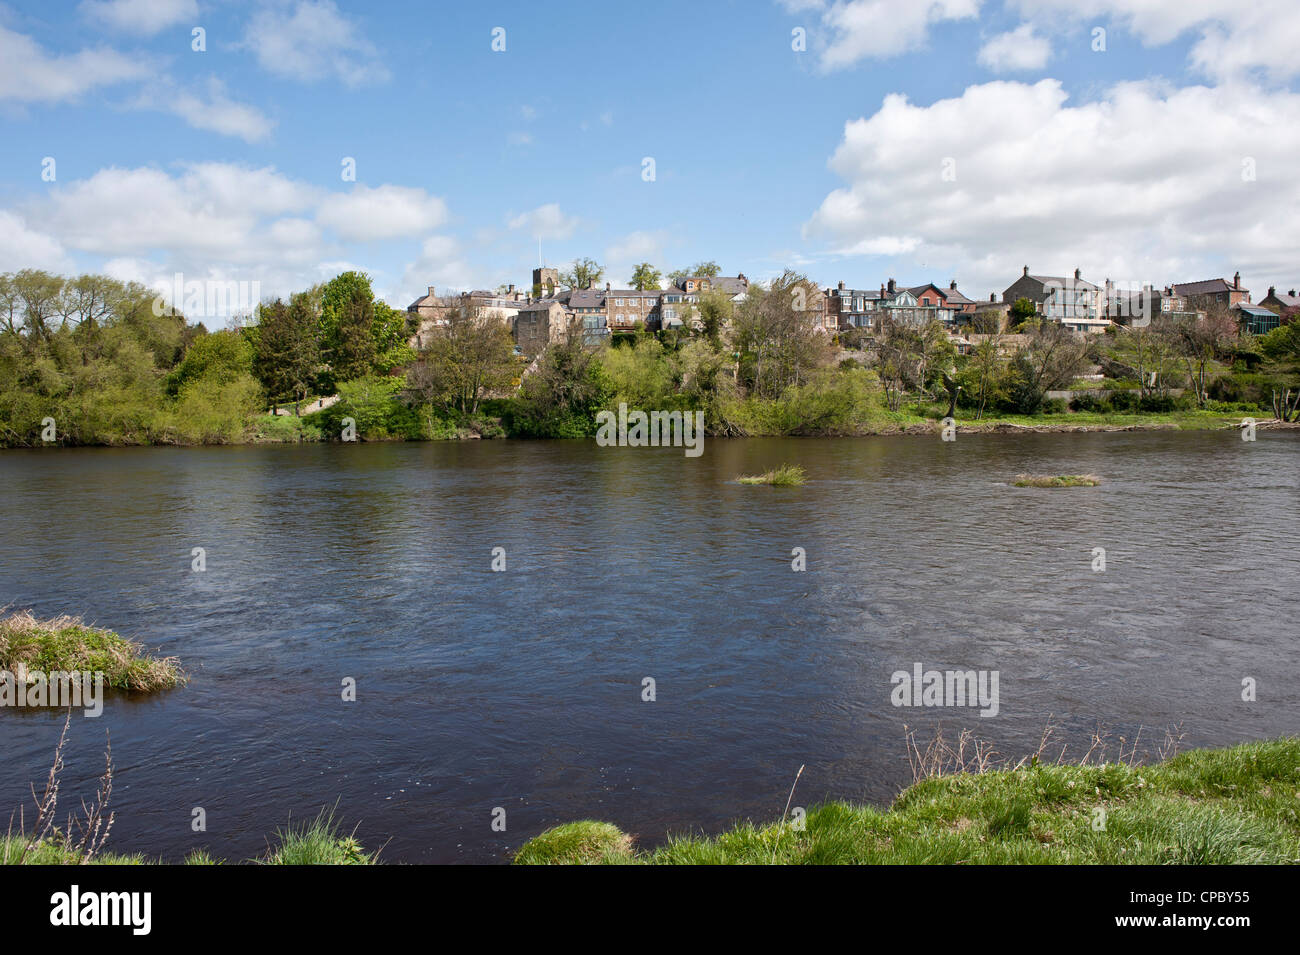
(318,842)
(1204,807)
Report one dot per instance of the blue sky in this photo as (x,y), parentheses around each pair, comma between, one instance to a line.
(981,136)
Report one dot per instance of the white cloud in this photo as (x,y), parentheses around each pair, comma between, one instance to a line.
(219,221)
(216,113)
(1144,184)
(313,42)
(626,253)
(545,222)
(879,29)
(143,17)
(1235,38)
(22,247)
(1019,49)
(440,264)
(383,212)
(31,75)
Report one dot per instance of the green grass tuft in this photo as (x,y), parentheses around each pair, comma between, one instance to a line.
(576,843)
(67,644)
(1058,480)
(787,475)
(318,843)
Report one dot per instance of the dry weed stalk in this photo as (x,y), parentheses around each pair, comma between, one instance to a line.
(93,829)
(970,754)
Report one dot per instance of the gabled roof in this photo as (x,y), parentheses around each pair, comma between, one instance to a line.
(1204,287)
(1063,281)
(730,284)
(586,298)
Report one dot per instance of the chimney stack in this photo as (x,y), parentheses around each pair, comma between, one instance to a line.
(841,287)
(952,286)
(1236,281)
(1271,290)
(1026,270)
(891,287)
(430,291)
(606,286)
(1077,275)
(991,298)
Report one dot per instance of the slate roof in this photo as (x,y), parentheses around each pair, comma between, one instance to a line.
(1206,287)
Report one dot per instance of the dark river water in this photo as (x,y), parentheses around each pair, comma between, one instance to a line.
(522,689)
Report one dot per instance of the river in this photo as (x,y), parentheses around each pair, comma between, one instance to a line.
(522,689)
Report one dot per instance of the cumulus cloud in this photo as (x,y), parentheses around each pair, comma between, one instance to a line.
(24,247)
(313,41)
(213,220)
(1142,184)
(440,263)
(545,222)
(31,75)
(382,212)
(1018,49)
(855,30)
(1234,38)
(142,17)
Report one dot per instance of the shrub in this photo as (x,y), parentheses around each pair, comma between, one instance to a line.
(1094,404)
(1054,406)
(375,405)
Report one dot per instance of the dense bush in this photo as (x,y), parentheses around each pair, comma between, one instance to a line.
(374,403)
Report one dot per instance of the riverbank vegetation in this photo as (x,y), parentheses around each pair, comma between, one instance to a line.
(90,360)
(1229,806)
(67,644)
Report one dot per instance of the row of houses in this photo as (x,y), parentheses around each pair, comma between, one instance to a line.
(536,321)
(546,312)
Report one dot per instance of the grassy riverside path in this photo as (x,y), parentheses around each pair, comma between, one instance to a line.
(1239,805)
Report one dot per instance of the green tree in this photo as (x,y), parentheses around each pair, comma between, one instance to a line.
(359,335)
(286,344)
(469,358)
(585,273)
(561,397)
(645,276)
(777,337)
(1023,312)
(714,310)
